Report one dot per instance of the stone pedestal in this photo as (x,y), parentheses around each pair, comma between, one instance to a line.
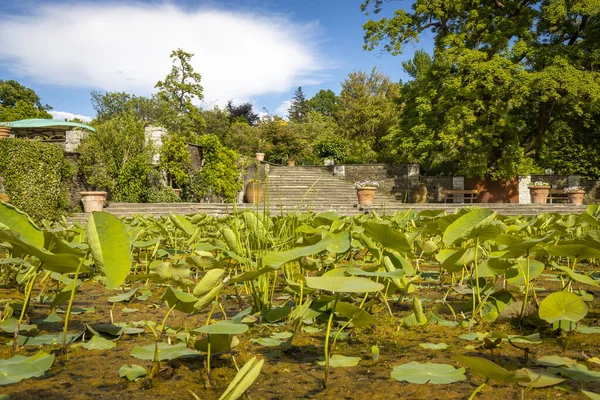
(524,195)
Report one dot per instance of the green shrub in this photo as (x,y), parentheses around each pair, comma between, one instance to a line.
(35,177)
(220,174)
(334,148)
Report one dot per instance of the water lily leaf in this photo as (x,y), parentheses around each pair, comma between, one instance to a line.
(539,378)
(52,318)
(205,261)
(10,326)
(16,220)
(47,339)
(588,329)
(486,369)
(358,316)
(340,243)
(468,226)
(218,343)
(338,360)
(455,260)
(435,374)
(434,346)
(279,258)
(223,328)
(109,245)
(182,223)
(577,277)
(123,296)
(387,236)
(268,341)
(555,361)
(132,372)
(347,284)
(577,372)
(562,306)
(578,251)
(180,300)
(515,276)
(17,368)
(167,270)
(97,343)
(243,380)
(212,278)
(591,395)
(165,352)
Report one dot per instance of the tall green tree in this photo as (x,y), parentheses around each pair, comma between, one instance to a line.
(368,109)
(177,92)
(325,102)
(20,102)
(506,79)
(298,107)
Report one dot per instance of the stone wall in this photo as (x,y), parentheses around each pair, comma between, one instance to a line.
(395,180)
(435,185)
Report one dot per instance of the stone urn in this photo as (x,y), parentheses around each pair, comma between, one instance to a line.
(93,201)
(177,192)
(291,163)
(254,192)
(576,197)
(260,156)
(4,132)
(366,195)
(539,194)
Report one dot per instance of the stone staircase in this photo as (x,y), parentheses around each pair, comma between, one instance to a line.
(302,189)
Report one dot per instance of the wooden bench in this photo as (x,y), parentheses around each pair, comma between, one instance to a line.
(558,196)
(469,196)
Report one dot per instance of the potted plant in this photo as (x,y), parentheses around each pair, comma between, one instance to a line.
(539,192)
(291,163)
(260,156)
(254,191)
(365,191)
(93,201)
(4,132)
(576,194)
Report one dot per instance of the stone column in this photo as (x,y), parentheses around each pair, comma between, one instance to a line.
(155,135)
(458,183)
(524,196)
(73,139)
(413,175)
(339,170)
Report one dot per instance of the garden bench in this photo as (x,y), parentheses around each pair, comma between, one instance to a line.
(558,196)
(469,196)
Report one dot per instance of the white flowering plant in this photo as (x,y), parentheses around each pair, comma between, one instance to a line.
(365,184)
(574,189)
(539,183)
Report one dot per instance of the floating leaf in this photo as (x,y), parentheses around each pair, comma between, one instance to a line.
(436,374)
(123,296)
(563,306)
(10,326)
(434,346)
(486,369)
(555,361)
(539,378)
(223,328)
(347,284)
(577,372)
(97,343)
(165,352)
(17,368)
(132,372)
(180,300)
(338,360)
(47,339)
(591,395)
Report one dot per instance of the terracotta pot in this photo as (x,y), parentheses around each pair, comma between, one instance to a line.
(4,132)
(4,197)
(576,197)
(291,163)
(539,194)
(260,156)
(254,192)
(93,201)
(366,195)
(177,192)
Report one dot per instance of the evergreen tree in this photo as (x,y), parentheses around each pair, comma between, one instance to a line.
(299,107)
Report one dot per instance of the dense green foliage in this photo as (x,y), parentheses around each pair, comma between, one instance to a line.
(512,84)
(19,102)
(35,178)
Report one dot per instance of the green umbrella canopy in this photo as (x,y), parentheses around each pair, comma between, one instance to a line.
(45,123)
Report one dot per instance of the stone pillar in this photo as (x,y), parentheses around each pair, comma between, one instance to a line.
(458,183)
(73,139)
(155,135)
(524,196)
(339,170)
(573,180)
(413,175)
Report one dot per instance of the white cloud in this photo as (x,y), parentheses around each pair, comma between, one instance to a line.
(116,46)
(283,108)
(62,115)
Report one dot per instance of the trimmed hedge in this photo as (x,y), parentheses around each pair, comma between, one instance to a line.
(35,177)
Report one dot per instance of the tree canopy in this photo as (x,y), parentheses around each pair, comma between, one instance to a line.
(19,102)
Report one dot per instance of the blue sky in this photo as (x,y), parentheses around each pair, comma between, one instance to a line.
(245,50)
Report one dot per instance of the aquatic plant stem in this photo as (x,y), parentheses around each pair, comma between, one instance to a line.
(477,390)
(70,306)
(329,323)
(476,267)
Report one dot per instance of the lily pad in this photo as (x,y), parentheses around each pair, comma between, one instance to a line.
(97,343)
(555,361)
(17,368)
(347,284)
(132,372)
(577,372)
(338,360)
(434,346)
(540,378)
(10,326)
(486,369)
(123,296)
(563,306)
(165,352)
(436,374)
(47,339)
